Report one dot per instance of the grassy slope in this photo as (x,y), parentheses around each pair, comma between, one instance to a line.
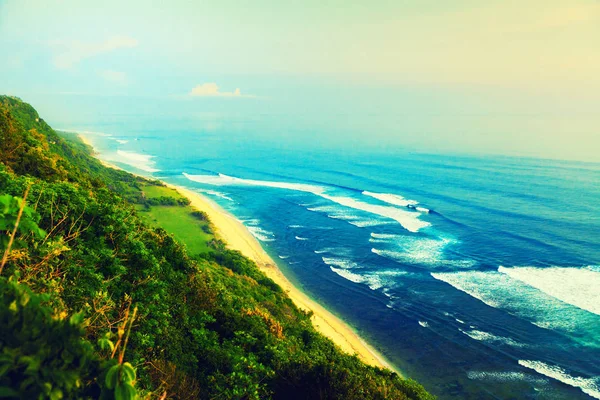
(177,220)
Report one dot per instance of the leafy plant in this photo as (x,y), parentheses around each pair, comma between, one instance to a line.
(42,355)
(15,218)
(209,327)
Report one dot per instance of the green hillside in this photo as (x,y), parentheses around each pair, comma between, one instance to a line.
(98,300)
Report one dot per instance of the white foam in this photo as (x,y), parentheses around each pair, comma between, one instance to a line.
(460,321)
(340,262)
(300,238)
(335,212)
(142,162)
(419,250)
(296,226)
(261,234)
(394,199)
(496,376)
(499,290)
(422,209)
(491,338)
(325,209)
(121,141)
(387,236)
(505,376)
(283,257)
(408,219)
(337,251)
(424,324)
(588,386)
(369,223)
(577,286)
(225,180)
(384,238)
(216,194)
(343,217)
(348,275)
(372,281)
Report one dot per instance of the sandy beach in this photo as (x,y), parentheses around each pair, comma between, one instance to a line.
(237,237)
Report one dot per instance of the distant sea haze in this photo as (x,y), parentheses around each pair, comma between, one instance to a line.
(477,276)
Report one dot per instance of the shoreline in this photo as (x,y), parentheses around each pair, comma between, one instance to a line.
(237,237)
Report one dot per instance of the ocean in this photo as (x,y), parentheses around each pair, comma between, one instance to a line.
(477,276)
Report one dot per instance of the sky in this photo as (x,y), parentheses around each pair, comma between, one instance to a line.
(494,76)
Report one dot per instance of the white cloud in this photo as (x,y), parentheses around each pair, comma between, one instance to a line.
(70,53)
(113,76)
(211,89)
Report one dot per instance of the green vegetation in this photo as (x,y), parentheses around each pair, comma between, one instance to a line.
(97,300)
(165,207)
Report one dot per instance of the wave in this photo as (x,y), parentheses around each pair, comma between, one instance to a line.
(508,376)
(387,236)
(338,251)
(295,226)
(579,287)
(283,257)
(142,162)
(491,338)
(216,194)
(588,386)
(372,281)
(226,180)
(121,141)
(369,223)
(500,291)
(394,199)
(409,220)
(325,209)
(334,212)
(418,250)
(300,238)
(261,234)
(424,324)
(339,262)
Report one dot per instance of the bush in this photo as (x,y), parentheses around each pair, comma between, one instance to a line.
(42,355)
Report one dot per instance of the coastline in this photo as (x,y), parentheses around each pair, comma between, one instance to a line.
(237,237)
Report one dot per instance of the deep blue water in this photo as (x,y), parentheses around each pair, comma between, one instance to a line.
(493,293)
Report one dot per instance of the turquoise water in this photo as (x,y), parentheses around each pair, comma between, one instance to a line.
(477,276)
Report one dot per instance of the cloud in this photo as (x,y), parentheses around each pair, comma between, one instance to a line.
(113,76)
(212,90)
(70,53)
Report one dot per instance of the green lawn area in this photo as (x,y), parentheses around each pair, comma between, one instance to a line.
(177,220)
(152,191)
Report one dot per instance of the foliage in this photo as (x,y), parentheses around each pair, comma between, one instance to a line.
(43,355)
(212,326)
(9,212)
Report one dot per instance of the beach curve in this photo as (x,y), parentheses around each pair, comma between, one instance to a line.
(237,237)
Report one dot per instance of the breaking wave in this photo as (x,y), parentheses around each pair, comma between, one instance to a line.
(407,219)
(491,338)
(579,287)
(588,386)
